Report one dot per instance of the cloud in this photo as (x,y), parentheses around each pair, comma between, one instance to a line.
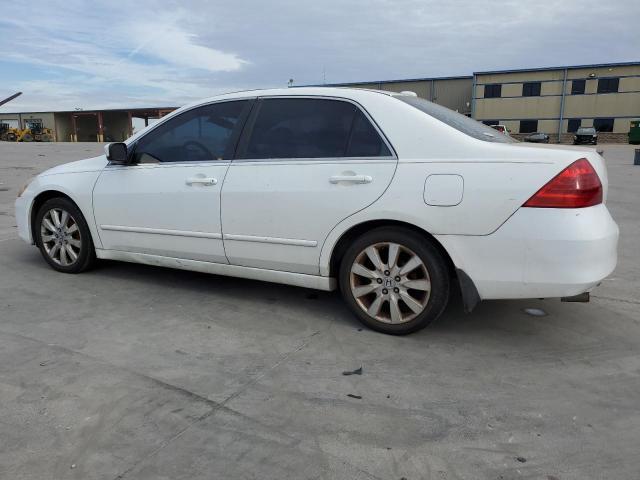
(63,53)
(164,40)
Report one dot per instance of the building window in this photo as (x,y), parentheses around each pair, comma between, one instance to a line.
(531,89)
(608,85)
(603,124)
(577,87)
(528,126)
(491,122)
(574,124)
(493,91)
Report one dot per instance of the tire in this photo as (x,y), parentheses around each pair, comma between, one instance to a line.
(74,238)
(381,292)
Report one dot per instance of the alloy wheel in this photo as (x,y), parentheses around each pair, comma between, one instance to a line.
(60,237)
(390,282)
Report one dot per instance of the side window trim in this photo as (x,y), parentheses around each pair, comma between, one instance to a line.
(250,123)
(234,140)
(243,143)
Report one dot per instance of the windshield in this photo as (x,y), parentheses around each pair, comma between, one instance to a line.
(586,131)
(461,123)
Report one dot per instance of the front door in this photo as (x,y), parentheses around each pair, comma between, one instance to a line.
(167,201)
(303,165)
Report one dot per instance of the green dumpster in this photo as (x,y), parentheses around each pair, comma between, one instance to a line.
(634,132)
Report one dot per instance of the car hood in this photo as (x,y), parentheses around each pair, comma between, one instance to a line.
(86,165)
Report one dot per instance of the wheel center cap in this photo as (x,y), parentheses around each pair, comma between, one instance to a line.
(389,283)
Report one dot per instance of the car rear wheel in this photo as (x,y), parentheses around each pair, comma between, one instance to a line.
(394,280)
(63,237)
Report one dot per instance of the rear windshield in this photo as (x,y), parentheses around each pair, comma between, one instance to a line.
(586,131)
(453,119)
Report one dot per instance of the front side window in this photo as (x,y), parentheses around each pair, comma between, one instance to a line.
(202,134)
(603,124)
(531,89)
(528,126)
(312,128)
(608,85)
(493,91)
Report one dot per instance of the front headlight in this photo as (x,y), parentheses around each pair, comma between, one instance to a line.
(575,137)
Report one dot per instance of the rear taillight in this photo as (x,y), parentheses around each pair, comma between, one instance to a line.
(577,186)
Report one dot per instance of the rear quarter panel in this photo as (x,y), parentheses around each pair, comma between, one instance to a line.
(498,179)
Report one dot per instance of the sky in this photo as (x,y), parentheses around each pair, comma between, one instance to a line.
(105,54)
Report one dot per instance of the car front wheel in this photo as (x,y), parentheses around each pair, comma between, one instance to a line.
(394,280)
(63,237)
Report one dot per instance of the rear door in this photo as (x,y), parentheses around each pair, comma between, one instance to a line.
(303,165)
(167,202)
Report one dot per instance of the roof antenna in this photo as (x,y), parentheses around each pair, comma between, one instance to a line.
(324,76)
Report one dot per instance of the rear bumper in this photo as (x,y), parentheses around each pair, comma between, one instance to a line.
(539,252)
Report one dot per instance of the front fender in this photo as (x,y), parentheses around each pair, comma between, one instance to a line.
(77,186)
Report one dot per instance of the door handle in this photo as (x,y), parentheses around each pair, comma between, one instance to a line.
(206,181)
(351,178)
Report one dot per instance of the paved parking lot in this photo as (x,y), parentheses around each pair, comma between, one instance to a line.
(139,372)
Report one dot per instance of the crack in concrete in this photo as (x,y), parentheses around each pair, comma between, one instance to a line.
(214,406)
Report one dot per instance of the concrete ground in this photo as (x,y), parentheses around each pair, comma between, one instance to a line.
(137,372)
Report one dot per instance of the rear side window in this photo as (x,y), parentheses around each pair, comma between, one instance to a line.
(202,134)
(312,128)
(455,120)
(365,140)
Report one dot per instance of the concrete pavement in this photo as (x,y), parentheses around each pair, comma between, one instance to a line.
(138,372)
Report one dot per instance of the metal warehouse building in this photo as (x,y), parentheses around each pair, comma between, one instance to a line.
(85,126)
(555,100)
(559,100)
(452,92)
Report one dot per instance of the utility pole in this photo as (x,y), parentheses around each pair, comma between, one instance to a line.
(8,99)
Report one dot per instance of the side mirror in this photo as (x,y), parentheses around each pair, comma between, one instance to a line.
(116,153)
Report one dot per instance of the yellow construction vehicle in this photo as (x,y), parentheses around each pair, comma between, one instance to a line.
(7,133)
(47,135)
(36,132)
(24,135)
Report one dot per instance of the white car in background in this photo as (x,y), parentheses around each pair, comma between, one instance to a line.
(387,196)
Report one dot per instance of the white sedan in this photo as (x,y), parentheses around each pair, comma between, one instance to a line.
(388,197)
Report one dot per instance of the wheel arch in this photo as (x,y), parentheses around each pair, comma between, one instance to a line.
(355,231)
(470,296)
(39,200)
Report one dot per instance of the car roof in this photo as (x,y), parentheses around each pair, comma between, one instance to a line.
(350,93)
(341,92)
